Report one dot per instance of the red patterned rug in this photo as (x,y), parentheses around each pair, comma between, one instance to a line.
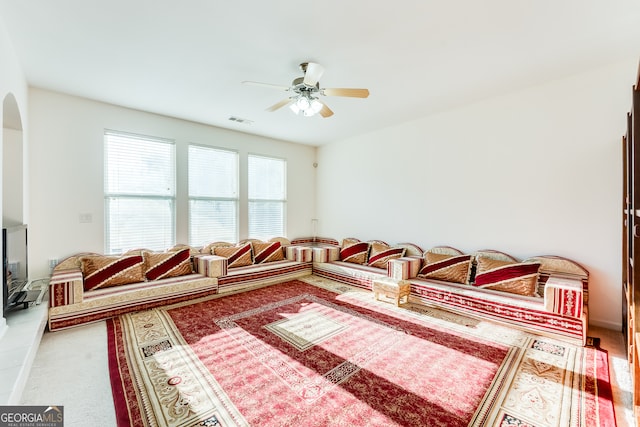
(294,354)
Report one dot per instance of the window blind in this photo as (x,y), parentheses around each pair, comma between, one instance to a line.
(213,195)
(139,182)
(267,196)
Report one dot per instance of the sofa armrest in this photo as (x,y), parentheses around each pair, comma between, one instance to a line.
(564,296)
(299,253)
(66,287)
(210,265)
(404,268)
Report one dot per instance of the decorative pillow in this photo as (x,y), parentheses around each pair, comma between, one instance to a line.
(209,249)
(160,265)
(411,249)
(349,241)
(355,253)
(73,261)
(237,256)
(102,271)
(381,254)
(514,277)
(192,249)
(267,252)
(450,268)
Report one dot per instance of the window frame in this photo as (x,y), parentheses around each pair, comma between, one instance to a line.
(109,196)
(214,199)
(283,200)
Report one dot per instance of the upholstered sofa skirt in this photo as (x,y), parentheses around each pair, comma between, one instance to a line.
(526,313)
(69,305)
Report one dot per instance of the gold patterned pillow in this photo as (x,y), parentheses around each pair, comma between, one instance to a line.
(266,252)
(450,268)
(102,271)
(237,256)
(514,277)
(354,251)
(380,254)
(160,265)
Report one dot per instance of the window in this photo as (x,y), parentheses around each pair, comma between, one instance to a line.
(139,182)
(267,197)
(213,195)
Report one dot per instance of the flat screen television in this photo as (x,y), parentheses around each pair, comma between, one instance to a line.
(14,253)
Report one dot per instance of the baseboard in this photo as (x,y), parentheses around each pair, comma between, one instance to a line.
(614,326)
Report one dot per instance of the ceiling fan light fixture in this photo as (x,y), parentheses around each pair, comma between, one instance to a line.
(305,91)
(306,105)
(303,103)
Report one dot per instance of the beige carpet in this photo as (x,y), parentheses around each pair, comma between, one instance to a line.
(71,370)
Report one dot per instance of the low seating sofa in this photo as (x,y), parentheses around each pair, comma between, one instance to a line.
(89,287)
(546,295)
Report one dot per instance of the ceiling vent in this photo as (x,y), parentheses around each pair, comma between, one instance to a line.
(240,120)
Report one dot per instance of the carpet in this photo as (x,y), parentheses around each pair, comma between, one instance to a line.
(321,353)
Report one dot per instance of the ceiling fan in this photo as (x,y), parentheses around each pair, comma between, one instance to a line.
(305,92)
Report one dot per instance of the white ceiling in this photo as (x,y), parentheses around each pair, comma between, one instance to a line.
(186,58)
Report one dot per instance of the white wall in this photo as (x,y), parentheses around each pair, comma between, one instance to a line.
(530,173)
(12,81)
(66,163)
(13,188)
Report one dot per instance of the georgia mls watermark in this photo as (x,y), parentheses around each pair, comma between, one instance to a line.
(31,416)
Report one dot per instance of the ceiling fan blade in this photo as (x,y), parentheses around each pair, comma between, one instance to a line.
(326,111)
(280,104)
(269,85)
(354,93)
(313,73)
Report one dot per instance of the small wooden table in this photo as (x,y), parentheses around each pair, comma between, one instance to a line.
(391,288)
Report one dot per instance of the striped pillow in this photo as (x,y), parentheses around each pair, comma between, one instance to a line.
(267,252)
(160,265)
(356,253)
(102,271)
(381,254)
(514,277)
(237,256)
(450,268)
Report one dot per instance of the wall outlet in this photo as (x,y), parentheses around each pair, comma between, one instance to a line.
(14,268)
(85,218)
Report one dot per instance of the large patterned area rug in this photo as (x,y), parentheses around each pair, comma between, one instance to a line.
(317,353)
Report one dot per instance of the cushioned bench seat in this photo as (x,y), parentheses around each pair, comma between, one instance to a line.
(263,274)
(527,313)
(70,305)
(358,275)
(551,300)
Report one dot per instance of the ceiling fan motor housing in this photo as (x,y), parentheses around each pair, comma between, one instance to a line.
(299,86)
